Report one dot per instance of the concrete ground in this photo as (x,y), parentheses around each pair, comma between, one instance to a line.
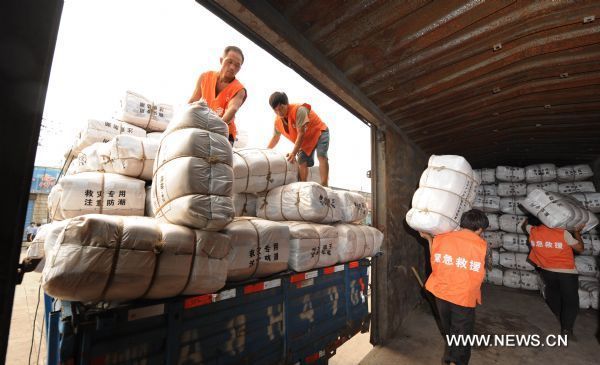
(505,311)
(21,326)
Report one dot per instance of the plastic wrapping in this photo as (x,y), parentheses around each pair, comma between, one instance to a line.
(357,241)
(574,173)
(259,248)
(312,245)
(487,203)
(591,244)
(489,189)
(547,186)
(515,242)
(193,177)
(494,276)
(590,201)
(510,205)
(512,223)
(510,173)
(353,206)
(103,131)
(142,112)
(577,187)
(586,265)
(540,173)
(493,222)
(129,156)
(259,170)
(559,211)
(512,189)
(493,238)
(299,201)
(96,192)
(244,204)
(486,176)
(111,258)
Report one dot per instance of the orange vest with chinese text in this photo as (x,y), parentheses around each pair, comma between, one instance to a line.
(549,249)
(218,103)
(313,131)
(458,267)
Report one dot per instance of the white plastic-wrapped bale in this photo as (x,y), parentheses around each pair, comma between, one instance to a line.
(559,211)
(512,278)
(590,201)
(508,260)
(521,262)
(489,189)
(259,170)
(148,211)
(486,176)
(585,300)
(46,233)
(111,258)
(530,280)
(510,173)
(494,276)
(259,248)
(495,257)
(142,112)
(577,187)
(512,189)
(103,131)
(487,203)
(334,211)
(193,177)
(494,238)
(312,245)
(96,192)
(357,241)
(591,244)
(510,205)
(574,173)
(299,201)
(586,265)
(493,221)
(547,186)
(588,283)
(515,242)
(540,173)
(88,160)
(129,156)
(244,204)
(353,205)
(446,190)
(594,295)
(511,223)
(155,136)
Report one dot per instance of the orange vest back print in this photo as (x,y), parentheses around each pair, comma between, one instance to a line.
(549,249)
(313,131)
(458,267)
(218,103)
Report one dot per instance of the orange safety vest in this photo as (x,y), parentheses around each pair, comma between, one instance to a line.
(549,249)
(313,131)
(458,267)
(218,103)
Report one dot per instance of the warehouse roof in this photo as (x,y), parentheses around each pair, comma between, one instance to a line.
(499,81)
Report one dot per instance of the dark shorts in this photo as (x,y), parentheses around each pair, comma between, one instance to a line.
(322,148)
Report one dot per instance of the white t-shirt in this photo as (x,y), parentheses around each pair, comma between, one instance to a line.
(571,241)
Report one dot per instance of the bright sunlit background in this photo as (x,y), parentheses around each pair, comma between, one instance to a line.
(158,49)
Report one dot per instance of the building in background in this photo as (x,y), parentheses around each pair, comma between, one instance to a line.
(42,181)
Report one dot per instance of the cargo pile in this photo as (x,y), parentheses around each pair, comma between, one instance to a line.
(559,197)
(153,208)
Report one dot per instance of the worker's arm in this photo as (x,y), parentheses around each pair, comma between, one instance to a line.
(578,247)
(234,105)
(274,140)
(197,95)
(428,237)
(524,225)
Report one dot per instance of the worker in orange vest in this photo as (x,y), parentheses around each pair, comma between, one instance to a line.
(223,93)
(552,253)
(457,271)
(303,127)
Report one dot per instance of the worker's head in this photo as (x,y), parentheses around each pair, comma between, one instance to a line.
(279,102)
(231,62)
(532,220)
(474,220)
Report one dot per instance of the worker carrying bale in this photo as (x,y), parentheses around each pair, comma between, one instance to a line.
(223,93)
(552,254)
(458,269)
(303,127)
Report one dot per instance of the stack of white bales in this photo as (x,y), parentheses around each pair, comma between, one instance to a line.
(447,189)
(118,255)
(588,292)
